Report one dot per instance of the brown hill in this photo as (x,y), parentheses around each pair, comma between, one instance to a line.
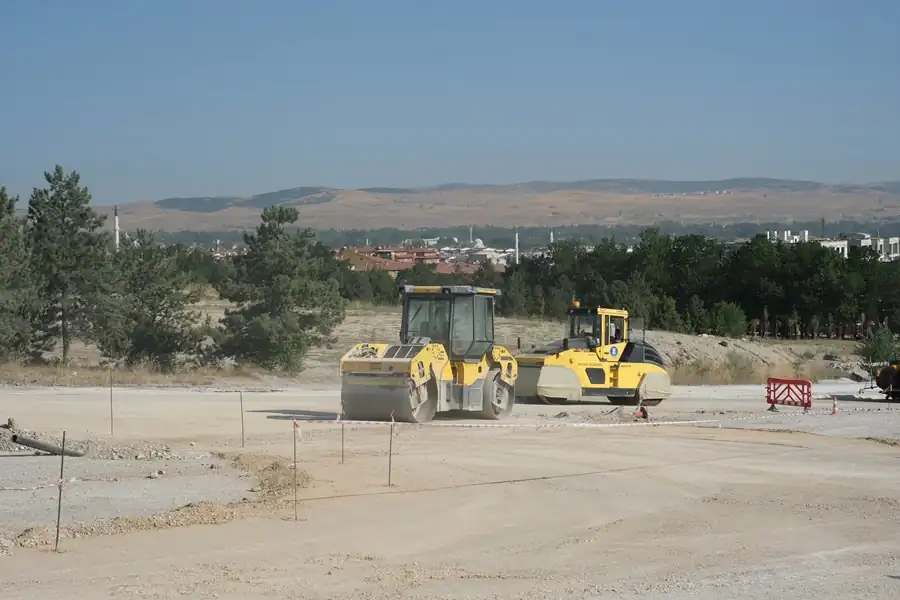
(611,201)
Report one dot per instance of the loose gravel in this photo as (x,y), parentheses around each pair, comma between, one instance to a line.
(97,449)
(113,480)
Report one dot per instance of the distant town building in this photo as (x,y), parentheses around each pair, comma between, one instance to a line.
(887,248)
(448,260)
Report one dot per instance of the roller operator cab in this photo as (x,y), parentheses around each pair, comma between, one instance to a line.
(446,361)
(597,358)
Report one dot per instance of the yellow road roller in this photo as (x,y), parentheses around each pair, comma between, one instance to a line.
(446,361)
(596,359)
(888,380)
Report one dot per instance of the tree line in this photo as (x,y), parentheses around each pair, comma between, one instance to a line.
(63,280)
(695,284)
(504,237)
(689,284)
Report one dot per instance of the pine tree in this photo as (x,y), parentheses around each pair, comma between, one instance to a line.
(68,254)
(514,300)
(17,297)
(146,317)
(286,301)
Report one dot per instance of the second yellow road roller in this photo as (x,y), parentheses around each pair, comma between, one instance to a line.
(596,359)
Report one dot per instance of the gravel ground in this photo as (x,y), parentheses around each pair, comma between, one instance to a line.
(873,423)
(105,489)
(91,448)
(528,512)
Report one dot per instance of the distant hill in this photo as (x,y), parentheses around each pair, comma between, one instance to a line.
(299,196)
(532,203)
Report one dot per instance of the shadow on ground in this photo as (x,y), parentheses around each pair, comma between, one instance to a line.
(534,401)
(854,398)
(287,414)
(281,414)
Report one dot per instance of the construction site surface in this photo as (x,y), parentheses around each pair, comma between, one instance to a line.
(728,500)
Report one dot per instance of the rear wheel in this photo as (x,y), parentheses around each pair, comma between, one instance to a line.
(498,397)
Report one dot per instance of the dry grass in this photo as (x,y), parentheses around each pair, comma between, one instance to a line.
(737,368)
(693,360)
(838,346)
(80,375)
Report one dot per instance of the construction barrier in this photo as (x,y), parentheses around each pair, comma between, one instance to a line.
(789,392)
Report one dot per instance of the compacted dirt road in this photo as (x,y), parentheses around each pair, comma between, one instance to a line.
(734,506)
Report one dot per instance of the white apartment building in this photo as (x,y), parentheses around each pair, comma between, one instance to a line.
(888,248)
(841,246)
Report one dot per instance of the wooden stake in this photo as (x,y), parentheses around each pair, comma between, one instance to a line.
(62,464)
(296,428)
(242,418)
(391,451)
(111,426)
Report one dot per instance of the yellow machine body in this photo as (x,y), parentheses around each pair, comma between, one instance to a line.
(596,360)
(446,361)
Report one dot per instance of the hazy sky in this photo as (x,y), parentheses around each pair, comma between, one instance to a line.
(216,97)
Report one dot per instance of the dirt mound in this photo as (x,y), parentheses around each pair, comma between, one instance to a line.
(203,513)
(274,476)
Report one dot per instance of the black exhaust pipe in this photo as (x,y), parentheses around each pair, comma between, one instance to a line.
(38,445)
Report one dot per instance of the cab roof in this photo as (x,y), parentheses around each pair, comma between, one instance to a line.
(449,290)
(597,310)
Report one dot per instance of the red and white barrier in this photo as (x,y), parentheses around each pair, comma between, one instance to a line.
(789,392)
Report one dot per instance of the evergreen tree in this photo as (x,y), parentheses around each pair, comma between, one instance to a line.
(514,301)
(878,346)
(146,317)
(727,319)
(286,302)
(17,295)
(68,254)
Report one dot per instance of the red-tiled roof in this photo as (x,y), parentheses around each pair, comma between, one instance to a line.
(360,262)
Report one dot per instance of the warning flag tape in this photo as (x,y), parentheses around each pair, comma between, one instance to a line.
(539,425)
(581,425)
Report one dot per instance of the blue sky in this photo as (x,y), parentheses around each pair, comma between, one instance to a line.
(215,97)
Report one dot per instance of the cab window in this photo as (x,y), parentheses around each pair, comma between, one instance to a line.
(616,330)
(581,325)
(428,317)
(463,327)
